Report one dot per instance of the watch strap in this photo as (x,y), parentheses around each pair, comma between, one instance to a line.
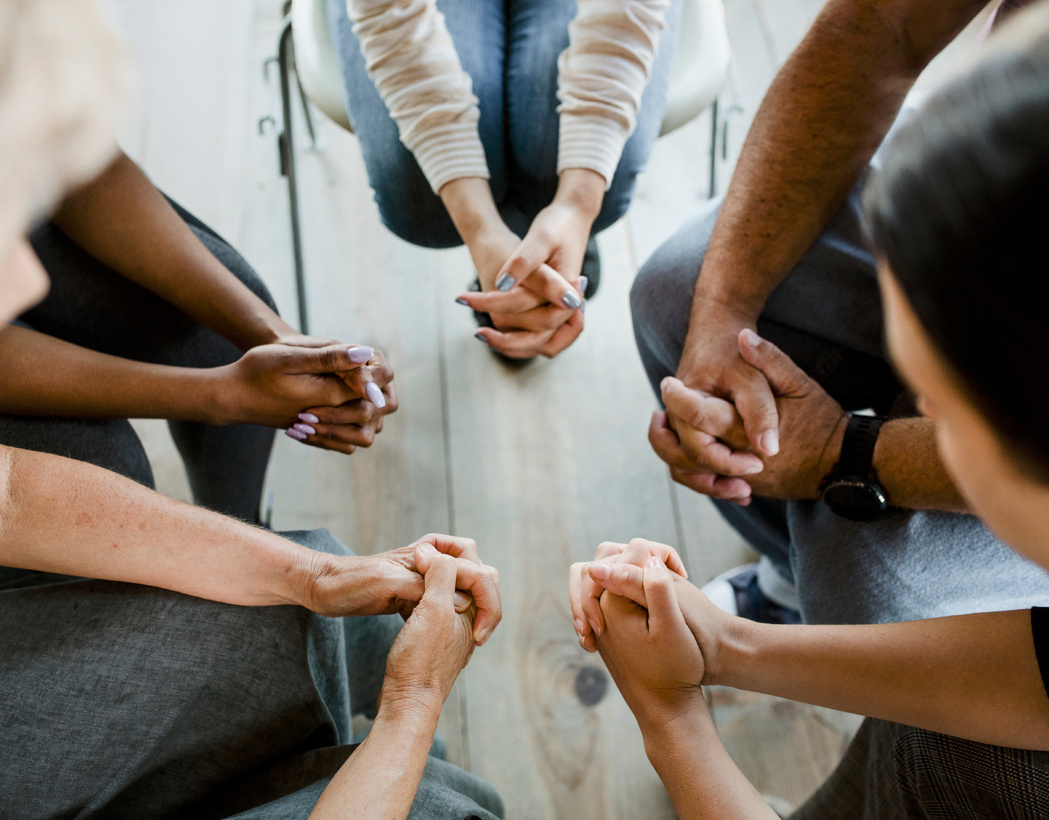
(857,446)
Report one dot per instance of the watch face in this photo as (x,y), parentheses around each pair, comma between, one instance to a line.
(855,499)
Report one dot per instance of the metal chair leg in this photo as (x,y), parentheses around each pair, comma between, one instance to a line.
(714,147)
(285,57)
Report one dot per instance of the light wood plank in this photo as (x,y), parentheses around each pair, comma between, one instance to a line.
(547,462)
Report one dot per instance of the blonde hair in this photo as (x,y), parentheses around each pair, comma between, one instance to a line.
(63,82)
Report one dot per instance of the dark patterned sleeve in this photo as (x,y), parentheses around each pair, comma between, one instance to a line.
(1040,629)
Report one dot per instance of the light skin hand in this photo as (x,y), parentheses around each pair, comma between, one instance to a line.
(393,581)
(708,453)
(650,651)
(434,645)
(545,265)
(584,591)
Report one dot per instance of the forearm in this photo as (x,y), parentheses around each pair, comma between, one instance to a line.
(44,376)
(816,130)
(602,76)
(700,777)
(413,62)
(64,516)
(382,775)
(972,676)
(123,221)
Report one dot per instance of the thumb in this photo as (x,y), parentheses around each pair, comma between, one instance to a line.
(625,580)
(663,609)
(439,583)
(786,378)
(523,262)
(329,359)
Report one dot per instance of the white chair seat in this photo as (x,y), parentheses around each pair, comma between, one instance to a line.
(697,72)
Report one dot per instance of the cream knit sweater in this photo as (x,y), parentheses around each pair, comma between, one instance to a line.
(601,77)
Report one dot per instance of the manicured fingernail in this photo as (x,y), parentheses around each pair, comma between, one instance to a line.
(504,282)
(360,355)
(462,301)
(481,336)
(309,418)
(750,338)
(654,562)
(769,442)
(582,283)
(374,394)
(461,600)
(599,571)
(305,428)
(593,626)
(579,628)
(754,469)
(571,300)
(298,435)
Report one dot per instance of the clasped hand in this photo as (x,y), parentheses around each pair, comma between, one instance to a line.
(333,396)
(758,425)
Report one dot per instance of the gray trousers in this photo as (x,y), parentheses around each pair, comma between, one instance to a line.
(125,701)
(827,317)
(94,307)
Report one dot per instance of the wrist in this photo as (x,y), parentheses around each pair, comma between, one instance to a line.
(415,706)
(736,646)
(471,207)
(583,191)
(831,454)
(663,726)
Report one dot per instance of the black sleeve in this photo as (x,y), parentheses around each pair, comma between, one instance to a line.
(1040,629)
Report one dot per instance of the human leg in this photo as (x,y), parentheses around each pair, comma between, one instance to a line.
(538,33)
(893,771)
(406,203)
(92,306)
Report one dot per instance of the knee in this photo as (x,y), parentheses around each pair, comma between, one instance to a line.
(407,205)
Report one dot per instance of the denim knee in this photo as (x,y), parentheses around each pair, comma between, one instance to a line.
(407,205)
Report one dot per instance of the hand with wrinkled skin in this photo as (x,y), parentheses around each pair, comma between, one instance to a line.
(393,582)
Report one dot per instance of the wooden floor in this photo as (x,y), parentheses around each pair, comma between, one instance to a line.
(538,464)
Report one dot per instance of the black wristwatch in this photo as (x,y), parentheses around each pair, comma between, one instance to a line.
(852,489)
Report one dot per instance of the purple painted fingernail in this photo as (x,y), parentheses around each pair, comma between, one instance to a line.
(582,283)
(298,435)
(462,301)
(374,394)
(309,418)
(305,428)
(504,282)
(360,355)
(571,300)
(481,336)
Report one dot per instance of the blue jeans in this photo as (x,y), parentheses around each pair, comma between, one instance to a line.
(510,51)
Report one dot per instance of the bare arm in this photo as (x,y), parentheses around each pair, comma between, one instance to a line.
(381,777)
(971,676)
(820,123)
(122,220)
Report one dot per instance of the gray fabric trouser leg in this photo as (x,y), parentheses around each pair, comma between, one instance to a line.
(125,701)
(908,565)
(94,307)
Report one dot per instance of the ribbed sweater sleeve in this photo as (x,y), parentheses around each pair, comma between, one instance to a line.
(412,61)
(601,77)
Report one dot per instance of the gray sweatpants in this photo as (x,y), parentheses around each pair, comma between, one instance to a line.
(125,701)
(94,307)
(827,317)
